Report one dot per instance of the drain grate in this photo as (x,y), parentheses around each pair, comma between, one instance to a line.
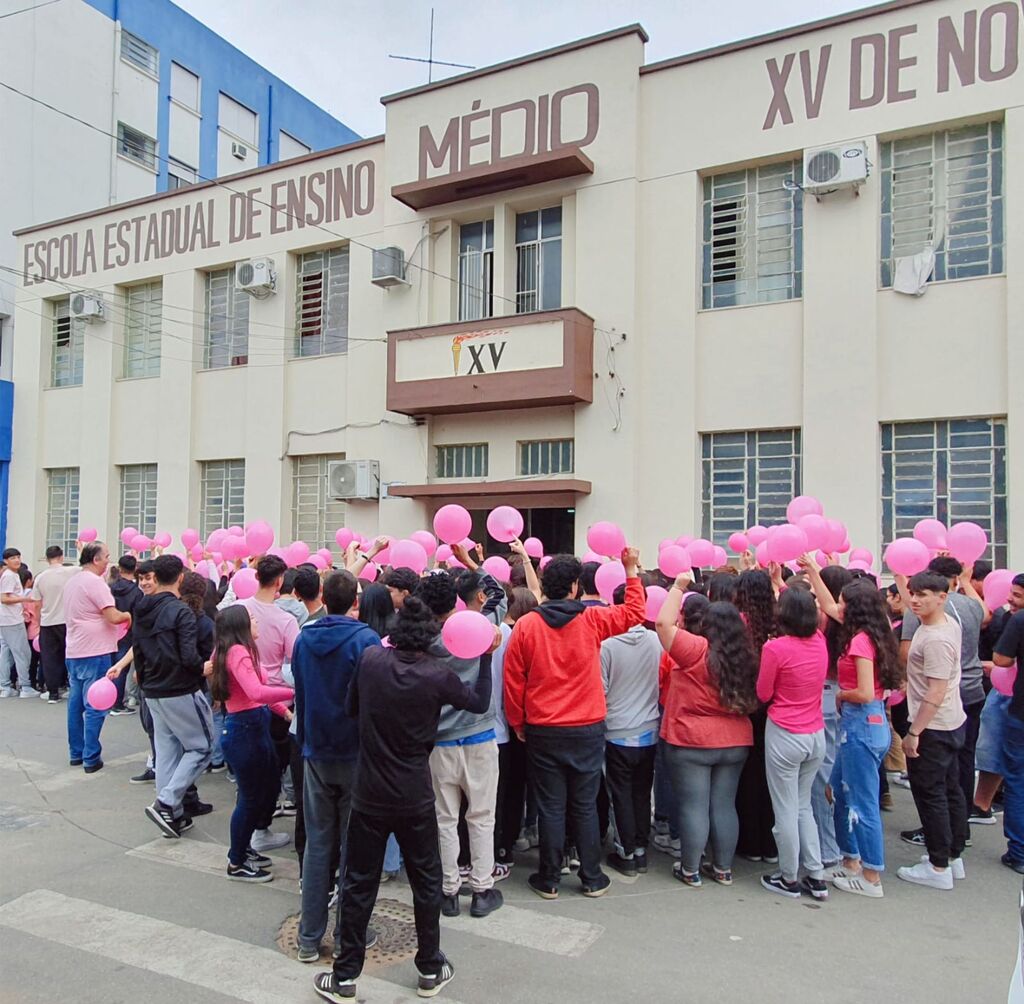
(396,936)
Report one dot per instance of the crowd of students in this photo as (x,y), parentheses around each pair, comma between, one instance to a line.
(759,713)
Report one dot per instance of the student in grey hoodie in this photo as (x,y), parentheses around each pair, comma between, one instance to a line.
(287,600)
(629,669)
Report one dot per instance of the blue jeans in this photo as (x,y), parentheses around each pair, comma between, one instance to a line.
(864,740)
(247,745)
(84,721)
(219,716)
(392,855)
(1013,780)
(819,803)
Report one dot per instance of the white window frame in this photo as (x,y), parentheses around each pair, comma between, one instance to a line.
(67,347)
(532,294)
(138,497)
(539,457)
(181,172)
(227,322)
(143,322)
(62,502)
(461,460)
(136,146)
(140,54)
(316,517)
(228,120)
(282,137)
(221,495)
(476,270)
(321,303)
(179,73)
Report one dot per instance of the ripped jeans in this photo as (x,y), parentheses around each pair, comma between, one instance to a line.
(862,744)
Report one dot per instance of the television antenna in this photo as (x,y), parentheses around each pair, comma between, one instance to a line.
(430,61)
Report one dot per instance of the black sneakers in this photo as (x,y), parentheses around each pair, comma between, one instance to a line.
(913,837)
(486,902)
(91,768)
(777,884)
(431,985)
(543,889)
(255,858)
(640,860)
(163,817)
(248,873)
(332,989)
(450,906)
(148,776)
(625,866)
(816,887)
(197,808)
(598,887)
(983,817)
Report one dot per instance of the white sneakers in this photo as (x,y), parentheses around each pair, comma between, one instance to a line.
(924,874)
(859,886)
(7,692)
(267,840)
(956,866)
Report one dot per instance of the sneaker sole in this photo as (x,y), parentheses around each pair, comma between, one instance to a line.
(150,780)
(988,821)
(928,885)
(544,894)
(308,958)
(155,816)
(912,841)
(780,892)
(595,893)
(485,913)
(815,894)
(256,880)
(434,991)
(330,995)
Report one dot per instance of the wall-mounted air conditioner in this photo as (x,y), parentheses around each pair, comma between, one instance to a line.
(829,168)
(85,307)
(389,267)
(354,479)
(256,276)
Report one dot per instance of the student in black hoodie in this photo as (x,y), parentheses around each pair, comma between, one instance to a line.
(170,671)
(126,594)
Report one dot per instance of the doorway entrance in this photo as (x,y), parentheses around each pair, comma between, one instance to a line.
(554,527)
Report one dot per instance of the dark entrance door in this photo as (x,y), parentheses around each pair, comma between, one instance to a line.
(556,529)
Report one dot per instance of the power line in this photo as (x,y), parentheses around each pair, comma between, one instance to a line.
(25,10)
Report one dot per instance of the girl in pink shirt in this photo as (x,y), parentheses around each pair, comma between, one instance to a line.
(237,680)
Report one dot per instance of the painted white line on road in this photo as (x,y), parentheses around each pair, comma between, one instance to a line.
(234,968)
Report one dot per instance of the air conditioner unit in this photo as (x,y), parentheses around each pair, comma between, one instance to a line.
(829,168)
(354,479)
(86,308)
(256,276)
(389,267)
(239,150)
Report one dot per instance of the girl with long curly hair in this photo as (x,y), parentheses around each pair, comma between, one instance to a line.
(705,729)
(868,666)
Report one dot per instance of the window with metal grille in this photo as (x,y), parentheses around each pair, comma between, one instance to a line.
(316,517)
(139,53)
(227,321)
(944,191)
(952,470)
(462,460)
(547,456)
(222,495)
(321,321)
(138,497)
(747,478)
(143,311)
(476,270)
(753,236)
(539,260)
(179,174)
(67,354)
(62,508)
(136,146)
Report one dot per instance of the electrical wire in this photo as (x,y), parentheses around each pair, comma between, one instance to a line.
(25,10)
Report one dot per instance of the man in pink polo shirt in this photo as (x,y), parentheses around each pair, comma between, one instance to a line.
(92,621)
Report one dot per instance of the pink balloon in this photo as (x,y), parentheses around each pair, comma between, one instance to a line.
(1003,679)
(259,538)
(931,533)
(190,538)
(409,554)
(787,543)
(656,597)
(761,553)
(128,534)
(862,554)
(816,528)
(443,554)
(468,543)
(216,539)
(844,544)
(317,561)
(593,556)
(426,540)
(803,505)
(907,556)
(836,536)
(545,561)
(738,542)
(325,553)
(997,587)
(499,568)
(162,539)
(857,564)
(505,524)
(467,634)
(384,557)
(454,562)
(244,584)
(606,538)
(452,523)
(203,569)
(35,644)
(534,548)
(369,572)
(719,558)
(667,542)
(236,531)
(196,552)
(674,560)
(757,534)
(140,542)
(89,534)
(896,697)
(298,552)
(685,540)
(343,537)
(966,542)
(101,694)
(821,558)
(460,603)
(608,578)
(702,552)
(234,548)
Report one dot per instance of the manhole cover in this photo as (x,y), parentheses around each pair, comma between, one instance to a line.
(396,935)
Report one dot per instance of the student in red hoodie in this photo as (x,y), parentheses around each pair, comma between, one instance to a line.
(554,700)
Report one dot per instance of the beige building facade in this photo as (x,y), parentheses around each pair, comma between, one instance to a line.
(619,295)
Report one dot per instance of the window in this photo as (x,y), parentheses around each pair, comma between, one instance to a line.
(288,147)
(222,495)
(539,260)
(952,471)
(136,146)
(62,508)
(184,87)
(179,174)
(753,236)
(547,456)
(142,332)
(139,53)
(227,321)
(138,497)
(321,323)
(476,270)
(67,356)
(747,478)
(463,460)
(315,515)
(944,191)
(237,120)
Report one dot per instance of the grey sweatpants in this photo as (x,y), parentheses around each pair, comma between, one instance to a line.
(791,762)
(183,737)
(15,653)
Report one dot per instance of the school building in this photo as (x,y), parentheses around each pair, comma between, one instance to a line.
(672,295)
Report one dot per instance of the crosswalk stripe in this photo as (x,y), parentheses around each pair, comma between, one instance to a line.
(48,778)
(234,968)
(536,929)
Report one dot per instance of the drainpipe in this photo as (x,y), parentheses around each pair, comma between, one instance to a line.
(270,122)
(112,187)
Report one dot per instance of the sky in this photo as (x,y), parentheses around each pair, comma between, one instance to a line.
(336,51)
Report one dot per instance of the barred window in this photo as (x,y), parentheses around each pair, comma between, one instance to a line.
(951,470)
(144,305)
(140,53)
(138,497)
(321,322)
(547,456)
(316,517)
(136,145)
(222,495)
(227,321)
(944,190)
(476,270)
(747,478)
(62,508)
(539,260)
(462,460)
(67,353)
(753,236)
